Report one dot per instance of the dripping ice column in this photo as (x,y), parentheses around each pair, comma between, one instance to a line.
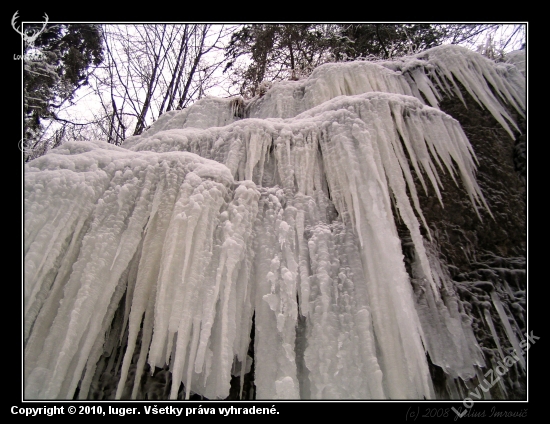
(356,175)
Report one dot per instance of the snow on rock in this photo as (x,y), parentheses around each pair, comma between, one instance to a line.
(171,245)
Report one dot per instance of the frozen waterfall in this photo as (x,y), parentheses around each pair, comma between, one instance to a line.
(278,215)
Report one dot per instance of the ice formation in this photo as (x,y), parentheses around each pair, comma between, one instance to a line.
(276,214)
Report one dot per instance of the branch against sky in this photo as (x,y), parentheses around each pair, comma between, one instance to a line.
(150,69)
(147,70)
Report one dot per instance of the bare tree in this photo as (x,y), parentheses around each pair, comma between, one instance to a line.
(152,69)
(147,70)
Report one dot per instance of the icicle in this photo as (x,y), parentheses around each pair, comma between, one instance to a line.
(491,325)
(507,327)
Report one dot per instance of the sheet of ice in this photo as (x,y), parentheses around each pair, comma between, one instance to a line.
(357,134)
(179,193)
(171,244)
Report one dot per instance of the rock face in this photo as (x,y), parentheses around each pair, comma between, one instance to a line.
(360,234)
(487,258)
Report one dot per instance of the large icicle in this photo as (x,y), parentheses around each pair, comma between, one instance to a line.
(477,74)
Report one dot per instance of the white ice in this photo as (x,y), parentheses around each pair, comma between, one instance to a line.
(207,220)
